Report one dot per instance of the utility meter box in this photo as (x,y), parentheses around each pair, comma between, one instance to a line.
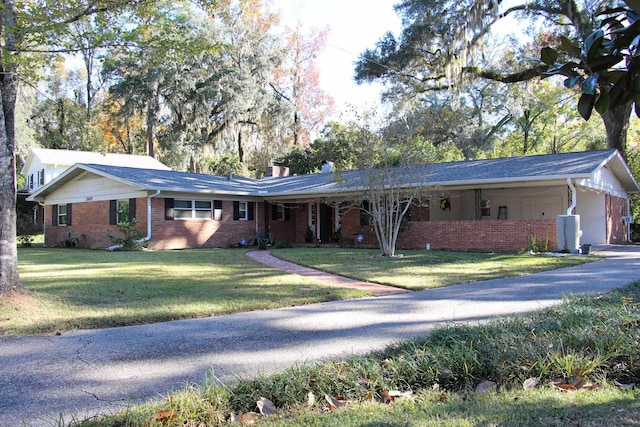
(568,233)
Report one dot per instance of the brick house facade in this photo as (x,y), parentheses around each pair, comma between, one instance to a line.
(498,214)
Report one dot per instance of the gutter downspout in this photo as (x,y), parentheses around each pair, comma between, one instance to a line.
(148,236)
(573,196)
(629,237)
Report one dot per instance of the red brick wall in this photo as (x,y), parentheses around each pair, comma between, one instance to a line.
(616,228)
(497,236)
(288,230)
(90,223)
(178,234)
(351,229)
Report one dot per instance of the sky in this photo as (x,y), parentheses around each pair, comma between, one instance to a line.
(355,25)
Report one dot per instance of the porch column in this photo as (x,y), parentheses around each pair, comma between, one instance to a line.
(317,221)
(478,205)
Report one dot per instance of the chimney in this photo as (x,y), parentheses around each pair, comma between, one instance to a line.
(276,170)
(327,166)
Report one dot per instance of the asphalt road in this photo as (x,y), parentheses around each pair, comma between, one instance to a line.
(48,381)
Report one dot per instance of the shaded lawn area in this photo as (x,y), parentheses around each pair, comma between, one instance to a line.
(418,270)
(80,289)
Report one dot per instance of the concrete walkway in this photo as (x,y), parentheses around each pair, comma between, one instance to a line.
(376,289)
(49,381)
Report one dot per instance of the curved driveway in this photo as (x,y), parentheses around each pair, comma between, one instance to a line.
(48,381)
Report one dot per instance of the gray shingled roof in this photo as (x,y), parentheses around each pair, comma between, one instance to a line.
(514,169)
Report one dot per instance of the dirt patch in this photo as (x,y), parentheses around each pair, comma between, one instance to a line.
(20,301)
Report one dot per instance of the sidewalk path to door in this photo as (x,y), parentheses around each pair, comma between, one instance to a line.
(52,380)
(378,290)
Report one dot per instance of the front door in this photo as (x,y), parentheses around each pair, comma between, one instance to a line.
(326,223)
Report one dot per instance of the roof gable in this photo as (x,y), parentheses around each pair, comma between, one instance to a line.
(67,158)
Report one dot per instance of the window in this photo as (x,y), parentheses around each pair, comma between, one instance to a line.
(243,211)
(280,212)
(41,178)
(217,210)
(61,214)
(192,209)
(365,216)
(122,211)
(485,207)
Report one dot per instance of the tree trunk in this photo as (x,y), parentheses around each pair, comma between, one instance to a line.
(151,119)
(9,278)
(616,123)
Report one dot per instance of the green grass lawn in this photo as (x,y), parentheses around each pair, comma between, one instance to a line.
(424,269)
(79,289)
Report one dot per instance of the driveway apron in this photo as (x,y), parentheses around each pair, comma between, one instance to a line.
(48,381)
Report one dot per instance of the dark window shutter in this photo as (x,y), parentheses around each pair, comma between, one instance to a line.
(132,209)
(236,210)
(68,213)
(274,212)
(54,214)
(250,209)
(217,204)
(168,209)
(287,212)
(113,212)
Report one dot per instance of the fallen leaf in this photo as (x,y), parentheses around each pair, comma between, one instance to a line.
(486,386)
(566,387)
(590,386)
(168,414)
(577,382)
(334,402)
(233,418)
(531,383)
(311,399)
(249,418)
(266,407)
(369,396)
(385,363)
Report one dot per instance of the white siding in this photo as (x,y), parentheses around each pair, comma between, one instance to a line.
(591,208)
(90,187)
(605,180)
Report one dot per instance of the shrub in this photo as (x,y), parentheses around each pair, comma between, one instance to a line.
(131,236)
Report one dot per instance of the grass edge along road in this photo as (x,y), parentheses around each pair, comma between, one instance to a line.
(577,363)
(83,289)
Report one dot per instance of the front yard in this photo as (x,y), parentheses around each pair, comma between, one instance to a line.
(81,289)
(418,270)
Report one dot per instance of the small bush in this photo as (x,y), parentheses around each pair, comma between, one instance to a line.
(131,236)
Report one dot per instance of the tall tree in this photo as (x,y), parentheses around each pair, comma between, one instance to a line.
(606,66)
(439,46)
(28,29)
(300,83)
